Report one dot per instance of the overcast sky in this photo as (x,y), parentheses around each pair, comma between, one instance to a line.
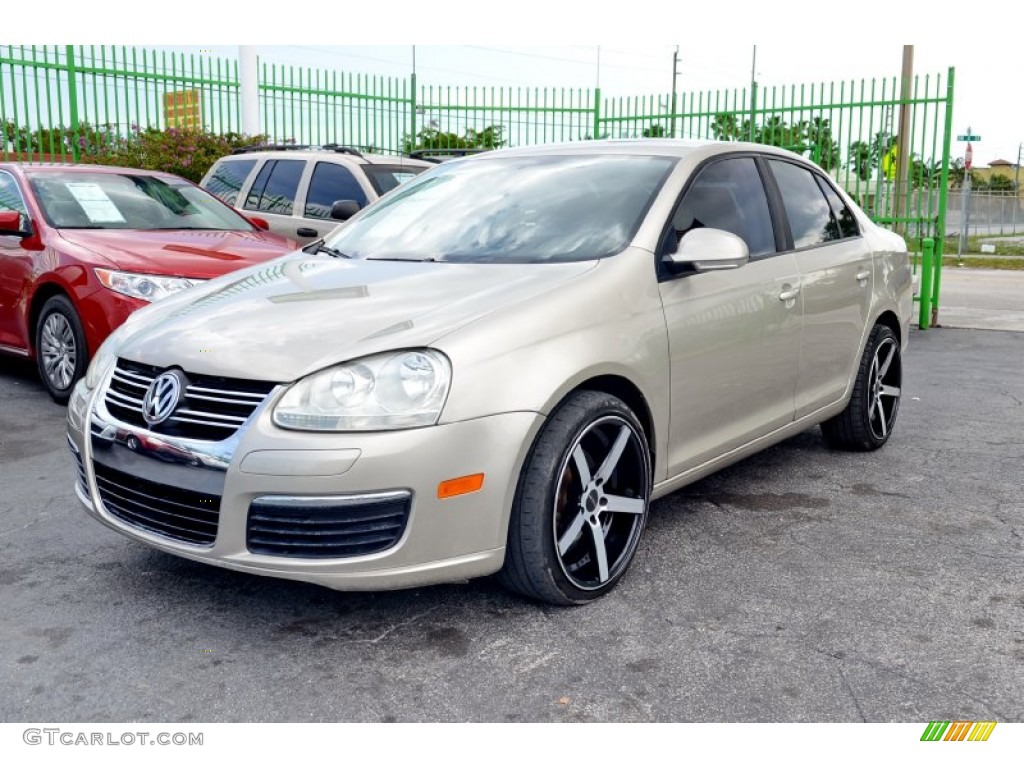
(556,43)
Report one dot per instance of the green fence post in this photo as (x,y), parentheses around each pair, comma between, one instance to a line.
(925,298)
(73,98)
(597,113)
(943,190)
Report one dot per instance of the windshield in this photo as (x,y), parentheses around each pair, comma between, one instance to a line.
(74,200)
(511,209)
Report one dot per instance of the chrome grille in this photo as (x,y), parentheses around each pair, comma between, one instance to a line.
(177,513)
(327,527)
(213,407)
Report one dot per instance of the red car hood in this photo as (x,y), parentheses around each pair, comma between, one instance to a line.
(181,253)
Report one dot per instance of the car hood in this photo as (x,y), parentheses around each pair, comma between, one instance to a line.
(200,254)
(303,313)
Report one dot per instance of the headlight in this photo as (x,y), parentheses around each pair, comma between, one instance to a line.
(395,390)
(145,287)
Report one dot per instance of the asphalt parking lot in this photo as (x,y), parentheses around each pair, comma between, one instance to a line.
(799,585)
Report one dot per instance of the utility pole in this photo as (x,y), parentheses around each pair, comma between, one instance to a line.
(753,93)
(1016,187)
(675,74)
(903,153)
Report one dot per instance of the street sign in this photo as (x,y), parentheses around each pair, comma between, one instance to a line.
(968,137)
(968,157)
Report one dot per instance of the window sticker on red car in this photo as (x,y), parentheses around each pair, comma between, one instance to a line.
(94,201)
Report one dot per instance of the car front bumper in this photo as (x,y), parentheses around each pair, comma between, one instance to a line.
(443,540)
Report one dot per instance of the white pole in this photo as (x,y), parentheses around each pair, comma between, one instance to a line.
(249,87)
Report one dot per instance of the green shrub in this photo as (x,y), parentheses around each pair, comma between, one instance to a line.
(186,153)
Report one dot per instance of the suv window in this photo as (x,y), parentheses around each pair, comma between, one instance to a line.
(275,187)
(330,183)
(384,178)
(228,177)
(810,217)
(729,195)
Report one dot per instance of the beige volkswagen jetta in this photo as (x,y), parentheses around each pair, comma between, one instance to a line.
(497,367)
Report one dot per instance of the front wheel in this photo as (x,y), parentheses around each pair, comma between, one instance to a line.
(582,502)
(870,416)
(61,354)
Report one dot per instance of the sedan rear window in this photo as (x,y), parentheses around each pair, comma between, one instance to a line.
(511,209)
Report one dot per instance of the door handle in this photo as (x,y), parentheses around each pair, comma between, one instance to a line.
(789,294)
(306,232)
(862,276)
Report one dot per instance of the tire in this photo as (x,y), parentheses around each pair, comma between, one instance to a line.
(576,523)
(870,416)
(61,352)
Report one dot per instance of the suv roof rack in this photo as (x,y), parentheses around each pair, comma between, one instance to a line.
(340,148)
(440,153)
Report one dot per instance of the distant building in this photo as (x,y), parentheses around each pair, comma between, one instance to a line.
(997,167)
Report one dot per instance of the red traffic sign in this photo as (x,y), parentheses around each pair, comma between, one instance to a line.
(968,157)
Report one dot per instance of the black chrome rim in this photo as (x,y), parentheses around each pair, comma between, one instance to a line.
(885,379)
(601,502)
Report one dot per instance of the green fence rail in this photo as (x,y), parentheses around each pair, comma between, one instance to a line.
(65,102)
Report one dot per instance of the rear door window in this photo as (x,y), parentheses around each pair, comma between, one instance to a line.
(275,187)
(810,217)
(847,222)
(228,177)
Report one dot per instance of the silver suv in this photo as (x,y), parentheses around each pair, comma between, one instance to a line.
(304,192)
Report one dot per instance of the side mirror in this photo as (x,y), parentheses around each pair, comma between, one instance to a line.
(709,250)
(343,210)
(10,224)
(259,223)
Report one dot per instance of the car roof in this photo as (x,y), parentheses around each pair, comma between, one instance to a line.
(695,149)
(359,158)
(38,167)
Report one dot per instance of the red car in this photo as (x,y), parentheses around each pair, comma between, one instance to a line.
(83,246)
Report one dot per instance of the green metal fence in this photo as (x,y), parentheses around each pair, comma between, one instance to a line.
(65,102)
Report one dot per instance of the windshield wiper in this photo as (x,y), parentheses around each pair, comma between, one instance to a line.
(318,246)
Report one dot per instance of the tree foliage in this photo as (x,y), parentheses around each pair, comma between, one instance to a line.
(865,156)
(814,135)
(654,131)
(189,154)
(1000,183)
(59,141)
(433,138)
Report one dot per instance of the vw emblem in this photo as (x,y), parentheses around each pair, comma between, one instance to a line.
(161,398)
